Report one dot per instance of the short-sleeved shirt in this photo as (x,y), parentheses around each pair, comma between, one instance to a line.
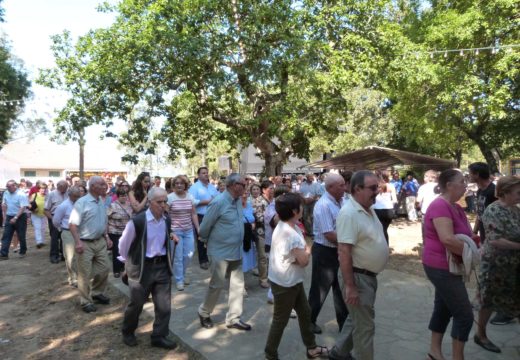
(90,216)
(426,195)
(14,201)
(118,216)
(485,197)
(180,211)
(310,190)
(434,253)
(201,192)
(40,202)
(53,199)
(282,269)
(269,214)
(61,216)
(363,230)
(325,213)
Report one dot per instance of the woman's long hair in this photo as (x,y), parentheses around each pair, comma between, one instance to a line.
(137,186)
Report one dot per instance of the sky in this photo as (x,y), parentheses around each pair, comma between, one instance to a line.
(29,25)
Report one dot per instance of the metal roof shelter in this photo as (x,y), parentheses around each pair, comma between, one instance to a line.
(376,157)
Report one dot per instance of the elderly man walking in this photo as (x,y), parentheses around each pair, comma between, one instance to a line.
(52,201)
(14,203)
(223,231)
(145,248)
(363,253)
(60,220)
(87,224)
(325,264)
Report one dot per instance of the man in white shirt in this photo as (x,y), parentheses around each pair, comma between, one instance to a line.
(363,253)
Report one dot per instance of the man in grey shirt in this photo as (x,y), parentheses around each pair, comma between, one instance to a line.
(87,224)
(223,230)
(52,201)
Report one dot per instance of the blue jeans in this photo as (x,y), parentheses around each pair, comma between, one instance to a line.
(20,226)
(183,253)
(451,300)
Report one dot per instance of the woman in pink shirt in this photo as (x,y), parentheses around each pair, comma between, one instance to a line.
(443,220)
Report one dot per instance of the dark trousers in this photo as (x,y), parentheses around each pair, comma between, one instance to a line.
(117,266)
(156,279)
(325,266)
(451,300)
(385,216)
(201,247)
(56,246)
(20,227)
(286,299)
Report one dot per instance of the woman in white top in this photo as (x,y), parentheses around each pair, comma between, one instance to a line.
(385,203)
(289,256)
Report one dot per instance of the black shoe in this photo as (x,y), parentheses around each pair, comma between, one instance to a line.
(501,319)
(315,328)
(89,308)
(488,345)
(163,342)
(129,339)
(39,246)
(239,325)
(101,299)
(206,322)
(55,260)
(204,266)
(4,257)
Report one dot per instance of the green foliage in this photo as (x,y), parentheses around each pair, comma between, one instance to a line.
(273,73)
(14,89)
(454,101)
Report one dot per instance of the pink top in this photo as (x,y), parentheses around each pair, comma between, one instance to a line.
(434,252)
(180,211)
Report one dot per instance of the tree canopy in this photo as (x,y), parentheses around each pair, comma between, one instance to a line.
(274,73)
(14,88)
(453,99)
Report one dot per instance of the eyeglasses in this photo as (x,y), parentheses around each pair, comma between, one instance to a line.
(161,201)
(241,183)
(371,187)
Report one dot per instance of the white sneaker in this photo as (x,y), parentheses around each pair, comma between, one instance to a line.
(180,286)
(293,314)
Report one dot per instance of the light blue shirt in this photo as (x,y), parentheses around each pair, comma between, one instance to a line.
(310,190)
(325,213)
(61,216)
(222,228)
(14,202)
(90,216)
(201,192)
(249,217)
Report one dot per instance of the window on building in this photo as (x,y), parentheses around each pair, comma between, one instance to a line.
(29,173)
(54,174)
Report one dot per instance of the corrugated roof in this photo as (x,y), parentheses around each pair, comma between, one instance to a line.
(376,157)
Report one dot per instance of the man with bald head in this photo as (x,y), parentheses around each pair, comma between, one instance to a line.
(325,264)
(52,201)
(87,225)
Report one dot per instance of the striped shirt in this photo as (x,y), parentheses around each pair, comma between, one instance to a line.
(180,211)
(326,211)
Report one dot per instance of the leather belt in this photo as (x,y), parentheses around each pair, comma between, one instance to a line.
(156,259)
(364,272)
(89,240)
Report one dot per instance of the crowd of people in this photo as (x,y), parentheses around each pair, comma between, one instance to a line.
(276,227)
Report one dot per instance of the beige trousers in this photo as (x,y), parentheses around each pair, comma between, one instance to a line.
(69,252)
(93,267)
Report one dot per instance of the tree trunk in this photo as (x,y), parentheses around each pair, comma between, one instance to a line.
(488,155)
(82,154)
(458,157)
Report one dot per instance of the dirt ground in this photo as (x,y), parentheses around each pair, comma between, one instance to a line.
(40,317)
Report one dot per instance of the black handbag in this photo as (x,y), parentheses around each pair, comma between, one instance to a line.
(248,236)
(33,206)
